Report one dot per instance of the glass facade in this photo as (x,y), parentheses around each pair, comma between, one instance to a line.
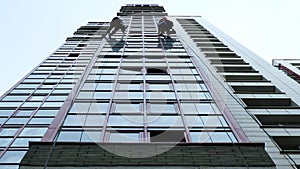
(139,87)
(29,108)
(143,88)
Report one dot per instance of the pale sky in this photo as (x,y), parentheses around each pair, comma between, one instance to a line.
(32,29)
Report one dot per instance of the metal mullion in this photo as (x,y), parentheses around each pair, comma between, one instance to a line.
(145,135)
(59,119)
(143,36)
(19,131)
(146,139)
(34,69)
(30,95)
(178,103)
(102,137)
(127,34)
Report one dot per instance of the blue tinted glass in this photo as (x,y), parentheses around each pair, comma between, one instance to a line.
(12,157)
(200,137)
(17,121)
(6,112)
(5,141)
(23,142)
(46,113)
(124,137)
(117,120)
(41,121)
(33,131)
(164,121)
(24,113)
(69,136)
(8,131)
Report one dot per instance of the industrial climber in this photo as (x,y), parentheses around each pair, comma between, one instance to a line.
(115,25)
(164,26)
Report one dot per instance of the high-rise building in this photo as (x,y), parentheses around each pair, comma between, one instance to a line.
(193,99)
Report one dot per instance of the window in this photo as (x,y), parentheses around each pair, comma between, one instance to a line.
(182,71)
(119,120)
(194,121)
(53,104)
(94,120)
(193,95)
(94,95)
(15,98)
(6,112)
(12,157)
(160,95)
(158,77)
(167,136)
(188,87)
(127,108)
(80,107)
(106,71)
(98,108)
(156,71)
(32,104)
(33,131)
(269,102)
(59,91)
(279,120)
(133,70)
(104,86)
(10,104)
(102,95)
(159,86)
(185,78)
(17,121)
(64,86)
(37,98)
(24,113)
(288,143)
(101,77)
(221,137)
(129,86)
(132,77)
(23,142)
(2,120)
(46,113)
(211,121)
(8,131)
(57,98)
(197,108)
(41,121)
(84,120)
(162,108)
(43,91)
(27,91)
(164,121)
(5,142)
(27,86)
(89,86)
(90,136)
(124,137)
(69,136)
(200,137)
(128,95)
(75,120)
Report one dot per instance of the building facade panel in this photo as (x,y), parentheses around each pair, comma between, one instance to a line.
(191,98)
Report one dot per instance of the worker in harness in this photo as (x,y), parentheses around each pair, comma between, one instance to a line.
(164,26)
(114,26)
